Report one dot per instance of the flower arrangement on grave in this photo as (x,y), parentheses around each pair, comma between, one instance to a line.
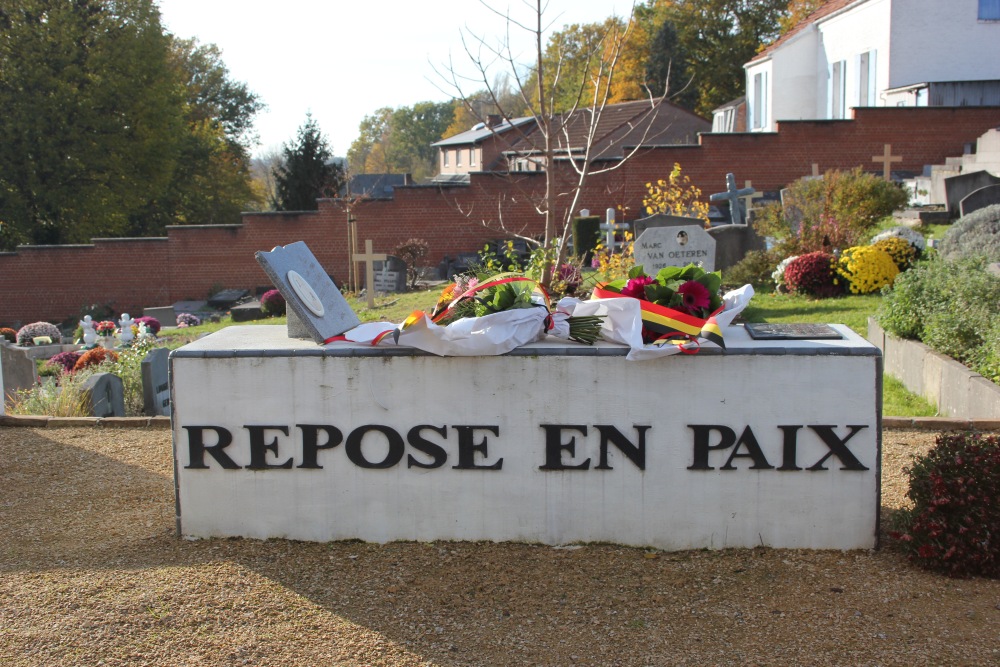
(901,251)
(187,320)
(95,357)
(152,324)
(866,269)
(470,297)
(677,304)
(27,334)
(813,273)
(105,328)
(8,334)
(778,275)
(911,236)
(272,303)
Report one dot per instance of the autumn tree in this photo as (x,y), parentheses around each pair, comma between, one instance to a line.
(399,140)
(307,172)
(581,73)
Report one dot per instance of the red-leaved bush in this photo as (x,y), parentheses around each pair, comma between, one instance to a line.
(152,324)
(9,334)
(954,525)
(66,361)
(272,303)
(813,273)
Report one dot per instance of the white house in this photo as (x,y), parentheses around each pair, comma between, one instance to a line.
(858,53)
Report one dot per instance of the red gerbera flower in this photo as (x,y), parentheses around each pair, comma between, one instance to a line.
(695,296)
(636,287)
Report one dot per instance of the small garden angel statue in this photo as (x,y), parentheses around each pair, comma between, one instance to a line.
(125,329)
(89,333)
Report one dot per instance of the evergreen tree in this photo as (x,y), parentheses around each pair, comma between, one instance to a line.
(307,172)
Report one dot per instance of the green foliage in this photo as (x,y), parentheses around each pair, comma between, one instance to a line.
(60,396)
(974,235)
(399,140)
(128,366)
(306,173)
(951,306)
(954,524)
(111,127)
(755,268)
(839,211)
(411,252)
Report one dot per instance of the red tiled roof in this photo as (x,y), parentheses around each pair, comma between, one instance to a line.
(826,9)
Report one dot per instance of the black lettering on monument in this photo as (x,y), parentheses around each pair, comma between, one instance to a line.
(554,447)
(468,448)
(753,452)
(357,456)
(197,447)
(259,448)
(422,444)
(702,436)
(636,453)
(788,447)
(311,445)
(837,448)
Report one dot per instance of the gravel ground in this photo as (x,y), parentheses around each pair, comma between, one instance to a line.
(92,574)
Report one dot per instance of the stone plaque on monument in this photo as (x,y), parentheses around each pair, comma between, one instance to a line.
(309,292)
(390,275)
(660,247)
(155,383)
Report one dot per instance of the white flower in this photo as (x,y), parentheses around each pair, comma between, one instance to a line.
(911,236)
(779,273)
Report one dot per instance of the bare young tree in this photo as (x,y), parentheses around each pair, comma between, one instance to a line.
(589,75)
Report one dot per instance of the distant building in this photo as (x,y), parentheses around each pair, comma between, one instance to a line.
(478,149)
(374,186)
(876,53)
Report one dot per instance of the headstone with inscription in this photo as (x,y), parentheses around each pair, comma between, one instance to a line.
(104,395)
(660,247)
(390,275)
(155,383)
(309,293)
(663,220)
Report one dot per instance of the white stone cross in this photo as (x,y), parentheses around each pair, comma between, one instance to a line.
(815,170)
(610,227)
(887,158)
(369,258)
(733,196)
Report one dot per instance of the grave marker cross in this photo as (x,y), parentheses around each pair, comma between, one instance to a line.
(887,158)
(748,198)
(733,196)
(369,258)
(610,227)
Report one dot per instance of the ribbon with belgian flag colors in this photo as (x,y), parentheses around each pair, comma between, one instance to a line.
(669,324)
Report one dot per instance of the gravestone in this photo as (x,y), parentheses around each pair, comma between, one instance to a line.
(165,315)
(659,247)
(981,198)
(309,292)
(19,370)
(226,298)
(733,242)
(664,220)
(959,187)
(104,394)
(246,312)
(390,275)
(155,383)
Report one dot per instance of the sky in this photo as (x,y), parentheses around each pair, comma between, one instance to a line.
(343,59)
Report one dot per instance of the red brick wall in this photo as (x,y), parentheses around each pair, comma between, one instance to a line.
(53,283)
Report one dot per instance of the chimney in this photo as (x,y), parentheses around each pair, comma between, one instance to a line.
(493,119)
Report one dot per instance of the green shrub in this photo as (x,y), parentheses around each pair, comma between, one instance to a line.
(954,525)
(837,212)
(55,397)
(813,274)
(974,235)
(755,268)
(987,359)
(128,366)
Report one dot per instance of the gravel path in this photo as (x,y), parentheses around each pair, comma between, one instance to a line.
(92,574)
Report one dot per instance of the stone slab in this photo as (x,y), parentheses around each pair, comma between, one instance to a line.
(959,187)
(105,395)
(246,312)
(227,298)
(308,291)
(353,442)
(17,369)
(981,198)
(165,315)
(155,383)
(659,247)
(664,220)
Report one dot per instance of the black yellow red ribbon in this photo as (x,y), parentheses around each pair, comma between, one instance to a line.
(668,323)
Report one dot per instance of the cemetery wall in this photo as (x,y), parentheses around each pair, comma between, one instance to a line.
(52,283)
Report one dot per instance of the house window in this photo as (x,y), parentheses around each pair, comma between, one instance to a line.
(866,79)
(458,157)
(444,157)
(759,109)
(838,108)
(989,10)
(472,157)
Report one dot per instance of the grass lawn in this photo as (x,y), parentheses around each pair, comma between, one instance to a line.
(853,311)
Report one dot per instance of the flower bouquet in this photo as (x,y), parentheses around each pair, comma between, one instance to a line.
(484,316)
(106,328)
(666,313)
